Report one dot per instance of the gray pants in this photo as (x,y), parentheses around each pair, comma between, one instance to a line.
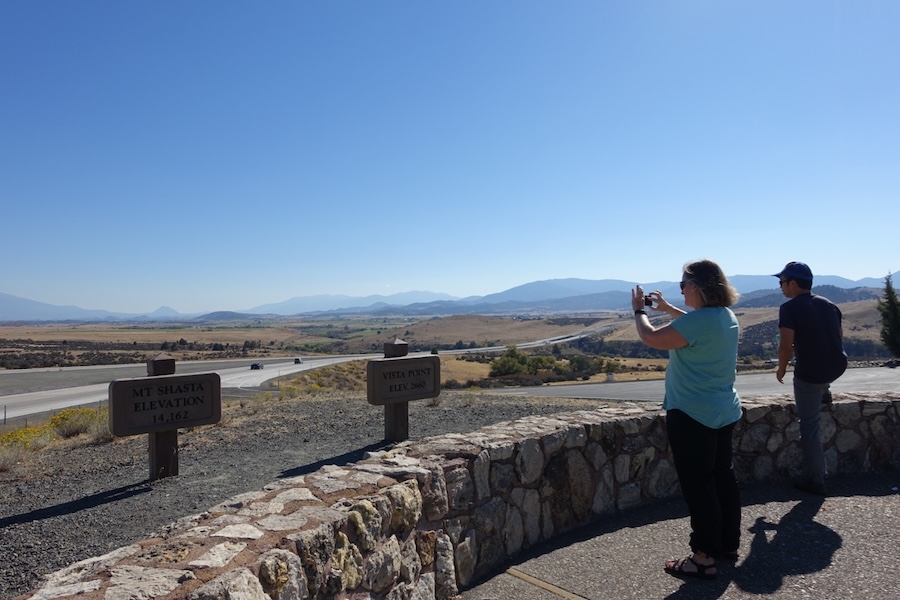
(808,397)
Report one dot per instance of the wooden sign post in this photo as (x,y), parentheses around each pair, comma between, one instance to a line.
(393,381)
(161,404)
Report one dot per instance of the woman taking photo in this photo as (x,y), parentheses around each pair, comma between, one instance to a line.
(702,408)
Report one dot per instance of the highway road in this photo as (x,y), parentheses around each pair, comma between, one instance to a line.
(27,392)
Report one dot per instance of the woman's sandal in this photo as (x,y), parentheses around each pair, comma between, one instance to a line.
(676,568)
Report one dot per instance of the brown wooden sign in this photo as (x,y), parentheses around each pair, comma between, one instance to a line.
(148,404)
(395,380)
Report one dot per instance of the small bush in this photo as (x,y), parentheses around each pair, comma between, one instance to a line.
(27,437)
(43,437)
(10,456)
(99,432)
(74,421)
(255,404)
(521,379)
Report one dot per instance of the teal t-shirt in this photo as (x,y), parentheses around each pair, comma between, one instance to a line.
(700,376)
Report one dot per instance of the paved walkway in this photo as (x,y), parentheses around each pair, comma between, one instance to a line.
(795,546)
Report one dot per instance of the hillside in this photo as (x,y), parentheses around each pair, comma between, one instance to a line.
(759,325)
(862,322)
(473,330)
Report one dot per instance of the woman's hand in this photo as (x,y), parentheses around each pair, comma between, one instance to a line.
(662,338)
(661,303)
(637,298)
(638,303)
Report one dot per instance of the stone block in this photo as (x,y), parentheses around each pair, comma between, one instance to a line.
(466,558)
(774,442)
(553,441)
(604,493)
(629,496)
(481,468)
(847,440)
(755,437)
(873,407)
(513,531)
(846,414)
(581,487)
(529,461)
(763,468)
(661,480)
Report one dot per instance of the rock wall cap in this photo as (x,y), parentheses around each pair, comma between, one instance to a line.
(796,270)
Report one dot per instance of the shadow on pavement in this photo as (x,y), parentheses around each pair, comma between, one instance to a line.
(799,545)
(774,548)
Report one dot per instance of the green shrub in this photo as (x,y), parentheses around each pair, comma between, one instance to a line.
(26,437)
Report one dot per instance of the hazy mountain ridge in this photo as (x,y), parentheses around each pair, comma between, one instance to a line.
(324,302)
(835,294)
(553,295)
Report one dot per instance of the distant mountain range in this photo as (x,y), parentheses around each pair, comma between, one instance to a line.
(538,297)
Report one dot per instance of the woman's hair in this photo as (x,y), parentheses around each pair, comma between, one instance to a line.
(711,283)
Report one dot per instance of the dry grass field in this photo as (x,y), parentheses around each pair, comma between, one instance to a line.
(632,369)
(289,337)
(158,333)
(477,330)
(352,375)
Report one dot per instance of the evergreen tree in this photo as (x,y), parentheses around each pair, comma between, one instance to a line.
(890,318)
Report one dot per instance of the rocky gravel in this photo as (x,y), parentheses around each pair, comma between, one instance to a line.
(76,500)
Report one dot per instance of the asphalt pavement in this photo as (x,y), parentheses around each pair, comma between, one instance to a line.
(28,392)
(795,545)
(867,379)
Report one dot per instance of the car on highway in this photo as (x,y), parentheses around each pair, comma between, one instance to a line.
(298,361)
(256,366)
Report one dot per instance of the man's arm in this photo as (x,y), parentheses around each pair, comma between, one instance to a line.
(785,350)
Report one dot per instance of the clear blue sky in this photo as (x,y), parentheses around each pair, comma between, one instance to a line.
(218,155)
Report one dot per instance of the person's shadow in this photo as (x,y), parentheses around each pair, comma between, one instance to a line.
(799,545)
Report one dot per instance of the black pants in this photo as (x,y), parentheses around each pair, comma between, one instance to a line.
(706,474)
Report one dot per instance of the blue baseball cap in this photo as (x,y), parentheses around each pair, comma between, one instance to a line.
(796,270)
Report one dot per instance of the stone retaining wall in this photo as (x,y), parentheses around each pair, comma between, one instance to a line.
(429,517)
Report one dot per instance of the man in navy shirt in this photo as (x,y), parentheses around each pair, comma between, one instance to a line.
(810,329)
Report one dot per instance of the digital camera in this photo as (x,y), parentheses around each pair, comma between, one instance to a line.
(648,301)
